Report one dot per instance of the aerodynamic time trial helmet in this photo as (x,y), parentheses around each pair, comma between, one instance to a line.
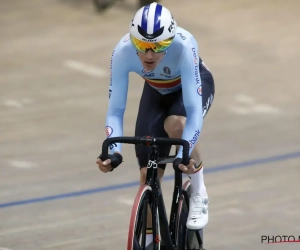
(152,27)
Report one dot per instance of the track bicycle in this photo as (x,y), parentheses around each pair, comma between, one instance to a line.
(172,235)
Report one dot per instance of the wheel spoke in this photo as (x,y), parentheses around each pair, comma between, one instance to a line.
(144,225)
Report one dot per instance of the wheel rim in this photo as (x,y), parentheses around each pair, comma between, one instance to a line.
(137,227)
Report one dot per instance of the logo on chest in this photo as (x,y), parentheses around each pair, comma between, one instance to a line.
(167,72)
(148,73)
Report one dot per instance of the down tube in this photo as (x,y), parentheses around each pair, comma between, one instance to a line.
(174,207)
(163,222)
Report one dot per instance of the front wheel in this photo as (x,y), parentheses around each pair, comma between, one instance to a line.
(138,220)
(186,239)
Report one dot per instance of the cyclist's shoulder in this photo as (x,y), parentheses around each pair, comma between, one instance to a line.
(124,46)
(184,37)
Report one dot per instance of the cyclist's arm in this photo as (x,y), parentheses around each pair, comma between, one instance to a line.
(191,81)
(117,97)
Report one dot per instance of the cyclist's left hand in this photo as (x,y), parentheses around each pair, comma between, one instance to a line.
(190,168)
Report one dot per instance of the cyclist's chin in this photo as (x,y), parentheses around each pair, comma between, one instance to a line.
(150,66)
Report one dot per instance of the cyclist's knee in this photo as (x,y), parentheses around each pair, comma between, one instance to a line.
(174,126)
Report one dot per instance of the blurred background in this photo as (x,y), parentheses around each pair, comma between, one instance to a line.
(54,79)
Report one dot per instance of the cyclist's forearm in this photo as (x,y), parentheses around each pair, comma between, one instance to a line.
(114,127)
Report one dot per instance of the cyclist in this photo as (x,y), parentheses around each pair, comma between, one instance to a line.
(178,92)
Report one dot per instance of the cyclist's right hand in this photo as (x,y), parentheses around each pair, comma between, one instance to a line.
(104,166)
(109,164)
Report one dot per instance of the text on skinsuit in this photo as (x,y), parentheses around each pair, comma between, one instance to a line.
(111,62)
(195,138)
(197,78)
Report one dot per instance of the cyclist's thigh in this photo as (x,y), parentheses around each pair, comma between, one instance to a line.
(150,121)
(208,91)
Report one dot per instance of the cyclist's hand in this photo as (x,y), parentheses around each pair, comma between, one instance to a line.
(189,169)
(104,166)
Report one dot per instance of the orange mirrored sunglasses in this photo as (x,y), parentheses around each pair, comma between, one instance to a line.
(154,46)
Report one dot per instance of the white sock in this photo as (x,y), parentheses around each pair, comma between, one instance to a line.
(149,236)
(197,182)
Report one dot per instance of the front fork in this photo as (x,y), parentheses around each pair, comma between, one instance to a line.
(174,208)
(155,224)
(162,226)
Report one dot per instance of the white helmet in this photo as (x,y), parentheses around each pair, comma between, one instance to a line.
(153,23)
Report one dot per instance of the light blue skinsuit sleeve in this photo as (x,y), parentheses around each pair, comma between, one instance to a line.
(191,94)
(118,90)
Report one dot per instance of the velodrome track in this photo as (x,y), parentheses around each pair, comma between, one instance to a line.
(54,67)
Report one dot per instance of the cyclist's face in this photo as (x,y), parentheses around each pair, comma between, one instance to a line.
(150,59)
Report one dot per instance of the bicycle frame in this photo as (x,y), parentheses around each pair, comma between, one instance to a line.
(167,232)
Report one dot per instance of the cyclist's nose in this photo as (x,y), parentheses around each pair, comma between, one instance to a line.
(149,54)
